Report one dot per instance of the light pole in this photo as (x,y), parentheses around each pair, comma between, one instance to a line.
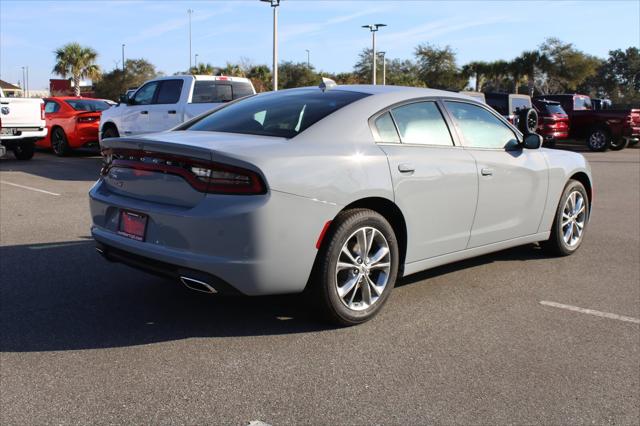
(274,4)
(189,12)
(308,61)
(384,68)
(374,28)
(24,84)
(27,81)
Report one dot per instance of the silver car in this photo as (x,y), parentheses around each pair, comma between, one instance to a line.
(338,190)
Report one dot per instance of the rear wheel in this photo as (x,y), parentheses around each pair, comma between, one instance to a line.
(24,151)
(59,143)
(356,268)
(599,139)
(570,222)
(619,144)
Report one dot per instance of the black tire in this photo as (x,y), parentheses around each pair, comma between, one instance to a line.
(528,121)
(59,142)
(599,139)
(110,131)
(325,275)
(24,151)
(618,144)
(556,244)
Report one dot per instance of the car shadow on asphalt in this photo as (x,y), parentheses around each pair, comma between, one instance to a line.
(80,165)
(64,296)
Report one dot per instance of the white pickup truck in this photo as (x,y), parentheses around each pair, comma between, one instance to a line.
(166,102)
(21,125)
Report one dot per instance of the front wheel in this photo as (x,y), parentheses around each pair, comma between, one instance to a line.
(24,151)
(356,267)
(570,222)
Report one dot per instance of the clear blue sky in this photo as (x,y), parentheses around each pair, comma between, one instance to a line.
(229,30)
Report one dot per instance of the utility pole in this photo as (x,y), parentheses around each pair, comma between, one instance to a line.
(384,68)
(27,81)
(274,4)
(308,62)
(190,11)
(374,28)
(24,84)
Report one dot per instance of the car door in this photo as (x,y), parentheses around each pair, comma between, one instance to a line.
(513,181)
(435,182)
(135,118)
(163,113)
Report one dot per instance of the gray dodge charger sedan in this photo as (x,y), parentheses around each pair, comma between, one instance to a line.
(338,190)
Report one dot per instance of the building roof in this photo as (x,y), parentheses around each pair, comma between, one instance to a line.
(8,86)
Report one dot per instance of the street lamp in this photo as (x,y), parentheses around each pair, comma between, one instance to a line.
(274,4)
(308,62)
(374,28)
(384,68)
(189,12)
(196,61)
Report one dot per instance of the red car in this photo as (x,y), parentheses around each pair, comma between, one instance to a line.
(553,121)
(72,123)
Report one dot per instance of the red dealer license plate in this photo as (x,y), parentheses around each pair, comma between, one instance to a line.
(132,225)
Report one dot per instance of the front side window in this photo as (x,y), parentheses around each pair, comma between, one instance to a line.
(422,123)
(386,129)
(480,128)
(169,92)
(283,114)
(581,103)
(144,96)
(51,107)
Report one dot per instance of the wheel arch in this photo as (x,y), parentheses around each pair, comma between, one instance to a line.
(583,178)
(392,213)
(107,125)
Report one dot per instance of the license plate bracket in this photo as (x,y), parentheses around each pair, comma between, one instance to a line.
(132,225)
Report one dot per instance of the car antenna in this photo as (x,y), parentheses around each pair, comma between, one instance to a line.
(326,84)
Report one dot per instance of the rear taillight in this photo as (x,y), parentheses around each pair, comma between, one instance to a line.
(87,119)
(204,176)
(42,111)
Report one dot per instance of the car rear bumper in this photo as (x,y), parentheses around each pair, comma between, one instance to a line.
(24,133)
(258,245)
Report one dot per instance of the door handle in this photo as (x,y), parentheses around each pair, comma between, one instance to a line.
(144,112)
(406,168)
(486,172)
(172,111)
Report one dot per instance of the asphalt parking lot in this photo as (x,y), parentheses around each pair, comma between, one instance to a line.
(85,341)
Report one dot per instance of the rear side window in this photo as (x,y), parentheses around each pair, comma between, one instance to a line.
(386,129)
(212,91)
(580,103)
(240,89)
(518,104)
(169,92)
(283,114)
(498,102)
(422,123)
(51,107)
(479,127)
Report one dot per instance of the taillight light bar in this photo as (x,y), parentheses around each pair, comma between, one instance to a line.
(42,111)
(87,119)
(204,176)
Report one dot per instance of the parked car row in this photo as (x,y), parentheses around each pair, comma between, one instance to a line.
(565,116)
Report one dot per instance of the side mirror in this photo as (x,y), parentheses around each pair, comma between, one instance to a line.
(532,141)
(124,99)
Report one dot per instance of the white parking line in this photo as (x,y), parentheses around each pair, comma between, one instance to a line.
(591,312)
(29,188)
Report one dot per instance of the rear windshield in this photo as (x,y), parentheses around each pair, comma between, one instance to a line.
(212,91)
(550,108)
(283,114)
(88,105)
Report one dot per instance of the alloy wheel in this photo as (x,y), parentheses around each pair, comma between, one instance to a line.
(598,139)
(363,268)
(574,216)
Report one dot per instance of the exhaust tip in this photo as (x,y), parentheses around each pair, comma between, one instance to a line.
(197,285)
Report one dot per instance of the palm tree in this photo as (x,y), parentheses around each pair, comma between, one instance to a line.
(479,70)
(78,62)
(203,69)
(530,62)
(233,70)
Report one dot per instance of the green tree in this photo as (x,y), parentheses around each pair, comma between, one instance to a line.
(78,62)
(478,70)
(113,83)
(204,69)
(260,76)
(568,67)
(437,68)
(498,76)
(292,74)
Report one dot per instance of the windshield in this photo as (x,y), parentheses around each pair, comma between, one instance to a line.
(283,114)
(87,104)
